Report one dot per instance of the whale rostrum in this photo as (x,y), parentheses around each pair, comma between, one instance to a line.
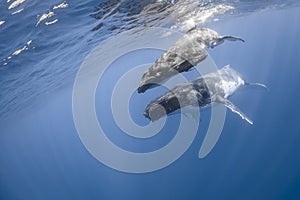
(214,87)
(186,53)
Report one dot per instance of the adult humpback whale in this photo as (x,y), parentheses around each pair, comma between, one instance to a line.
(187,52)
(214,87)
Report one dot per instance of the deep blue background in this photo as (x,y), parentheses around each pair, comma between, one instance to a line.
(41,156)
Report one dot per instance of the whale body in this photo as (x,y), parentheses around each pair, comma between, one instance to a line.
(186,53)
(214,87)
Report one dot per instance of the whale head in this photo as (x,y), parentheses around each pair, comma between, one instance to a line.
(154,111)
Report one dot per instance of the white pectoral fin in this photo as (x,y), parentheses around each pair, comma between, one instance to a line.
(191,112)
(234,109)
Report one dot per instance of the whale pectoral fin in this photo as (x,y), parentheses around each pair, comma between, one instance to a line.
(234,109)
(191,112)
(184,67)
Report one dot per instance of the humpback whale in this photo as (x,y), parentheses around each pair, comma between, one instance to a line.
(214,87)
(186,53)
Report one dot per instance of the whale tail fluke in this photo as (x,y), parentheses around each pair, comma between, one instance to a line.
(259,86)
(232,38)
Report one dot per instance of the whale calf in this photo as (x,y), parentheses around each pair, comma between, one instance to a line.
(214,87)
(186,53)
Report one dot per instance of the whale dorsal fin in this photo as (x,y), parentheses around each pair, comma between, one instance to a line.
(195,27)
(233,108)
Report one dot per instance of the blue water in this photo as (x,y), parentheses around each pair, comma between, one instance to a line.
(41,155)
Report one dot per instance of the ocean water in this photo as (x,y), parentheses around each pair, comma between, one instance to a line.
(43,45)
